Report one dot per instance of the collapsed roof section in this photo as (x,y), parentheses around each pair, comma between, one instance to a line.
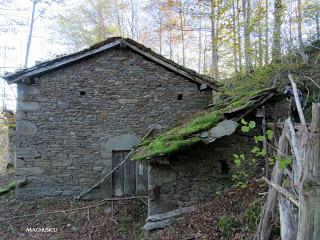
(206,127)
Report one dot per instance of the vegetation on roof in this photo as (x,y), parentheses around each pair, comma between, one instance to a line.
(239,92)
(235,93)
(177,138)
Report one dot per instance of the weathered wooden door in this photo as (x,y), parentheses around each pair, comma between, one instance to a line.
(124,178)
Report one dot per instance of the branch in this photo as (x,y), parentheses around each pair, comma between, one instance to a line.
(282,191)
(296,98)
(114,169)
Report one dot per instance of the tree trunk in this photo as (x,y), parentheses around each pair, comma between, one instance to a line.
(182,26)
(309,209)
(276,48)
(200,37)
(246,5)
(239,36)
(34,2)
(318,24)
(234,35)
(267,215)
(299,25)
(288,219)
(266,56)
(214,37)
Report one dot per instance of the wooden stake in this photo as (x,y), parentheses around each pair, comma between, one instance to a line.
(114,169)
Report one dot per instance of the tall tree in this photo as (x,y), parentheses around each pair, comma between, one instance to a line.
(214,39)
(276,48)
(299,25)
(234,36)
(88,23)
(246,8)
(266,55)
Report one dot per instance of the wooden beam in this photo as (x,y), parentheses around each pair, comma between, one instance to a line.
(296,98)
(283,192)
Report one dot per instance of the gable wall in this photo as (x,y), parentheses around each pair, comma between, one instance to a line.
(62,136)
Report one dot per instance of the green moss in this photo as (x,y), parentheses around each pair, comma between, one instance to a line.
(236,93)
(7,188)
(177,138)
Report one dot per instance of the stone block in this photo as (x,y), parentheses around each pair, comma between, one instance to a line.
(63,104)
(63,162)
(26,128)
(27,153)
(29,171)
(27,106)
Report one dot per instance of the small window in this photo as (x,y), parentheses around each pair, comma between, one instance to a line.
(82,93)
(180,96)
(224,167)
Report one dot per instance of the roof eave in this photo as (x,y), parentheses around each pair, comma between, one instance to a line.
(47,67)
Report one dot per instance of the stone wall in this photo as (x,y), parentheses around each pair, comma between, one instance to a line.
(195,174)
(66,118)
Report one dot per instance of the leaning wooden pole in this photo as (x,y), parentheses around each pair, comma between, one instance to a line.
(268,215)
(97,184)
(309,204)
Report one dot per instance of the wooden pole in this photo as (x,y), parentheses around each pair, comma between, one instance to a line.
(309,207)
(114,169)
(282,191)
(267,216)
(296,98)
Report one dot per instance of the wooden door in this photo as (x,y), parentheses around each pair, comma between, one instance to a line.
(124,178)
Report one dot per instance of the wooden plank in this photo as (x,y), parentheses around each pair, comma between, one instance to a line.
(118,175)
(129,175)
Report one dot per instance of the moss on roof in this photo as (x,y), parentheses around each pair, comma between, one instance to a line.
(239,92)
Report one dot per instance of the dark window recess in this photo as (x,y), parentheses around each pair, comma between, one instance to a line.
(180,96)
(82,93)
(224,167)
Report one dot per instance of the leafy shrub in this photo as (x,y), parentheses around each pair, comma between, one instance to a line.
(226,226)
(252,215)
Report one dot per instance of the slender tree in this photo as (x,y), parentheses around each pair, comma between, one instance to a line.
(276,48)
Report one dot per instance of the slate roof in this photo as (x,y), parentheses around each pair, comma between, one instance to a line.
(111,43)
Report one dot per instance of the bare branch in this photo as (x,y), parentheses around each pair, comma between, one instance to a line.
(282,191)
(296,98)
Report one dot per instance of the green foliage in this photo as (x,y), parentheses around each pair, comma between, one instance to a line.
(226,226)
(7,188)
(283,162)
(252,214)
(240,179)
(245,167)
(269,134)
(247,126)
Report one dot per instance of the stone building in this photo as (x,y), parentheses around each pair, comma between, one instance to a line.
(79,115)
(195,172)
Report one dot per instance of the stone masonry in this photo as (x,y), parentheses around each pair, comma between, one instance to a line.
(70,120)
(195,174)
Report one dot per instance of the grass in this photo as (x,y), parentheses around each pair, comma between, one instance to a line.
(8,187)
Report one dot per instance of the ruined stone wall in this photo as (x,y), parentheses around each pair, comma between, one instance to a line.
(195,174)
(69,120)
